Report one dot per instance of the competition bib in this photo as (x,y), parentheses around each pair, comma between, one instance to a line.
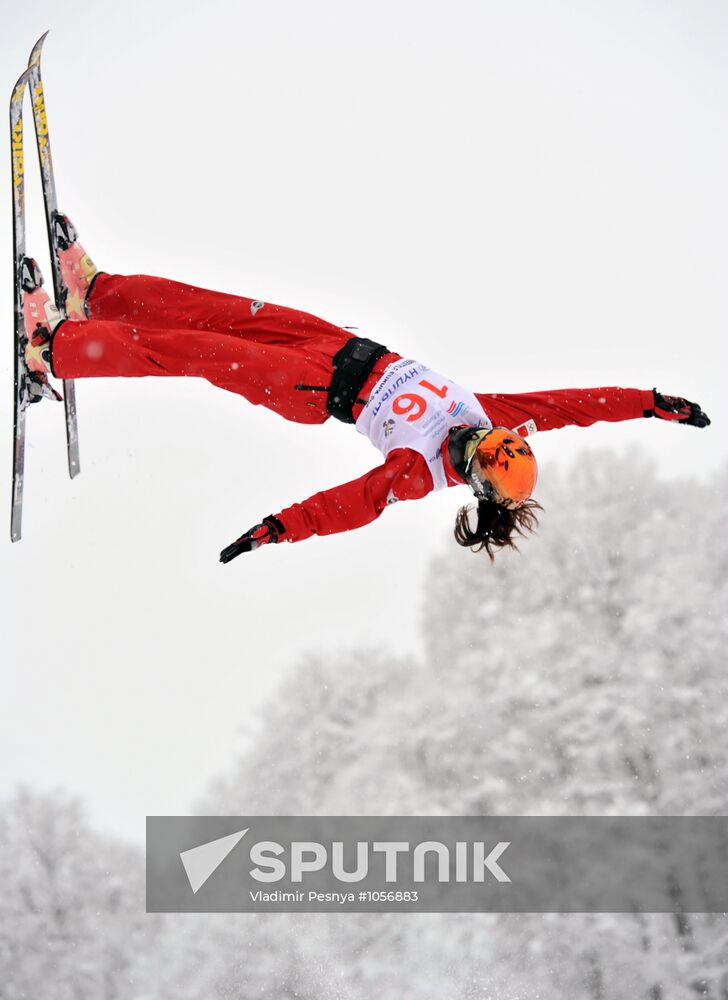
(413,407)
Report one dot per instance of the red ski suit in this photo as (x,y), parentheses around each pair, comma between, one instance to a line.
(281,358)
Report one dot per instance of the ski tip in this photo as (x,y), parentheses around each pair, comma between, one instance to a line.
(20,86)
(34,57)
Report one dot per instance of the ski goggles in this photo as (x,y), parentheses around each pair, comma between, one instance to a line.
(481,487)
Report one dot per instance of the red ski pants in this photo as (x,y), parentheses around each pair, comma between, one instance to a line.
(152,326)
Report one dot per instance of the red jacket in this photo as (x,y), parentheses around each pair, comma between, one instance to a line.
(405,476)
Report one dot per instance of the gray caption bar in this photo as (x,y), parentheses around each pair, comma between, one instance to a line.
(477,864)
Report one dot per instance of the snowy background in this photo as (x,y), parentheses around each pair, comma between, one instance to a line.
(508,710)
(524,196)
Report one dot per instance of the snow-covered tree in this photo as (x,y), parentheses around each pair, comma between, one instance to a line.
(72,904)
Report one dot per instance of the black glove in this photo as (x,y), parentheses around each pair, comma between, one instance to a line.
(266,533)
(679,409)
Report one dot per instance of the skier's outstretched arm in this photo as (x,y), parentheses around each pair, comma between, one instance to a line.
(527,412)
(404,476)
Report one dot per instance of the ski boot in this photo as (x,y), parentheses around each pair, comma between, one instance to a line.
(41,319)
(77,268)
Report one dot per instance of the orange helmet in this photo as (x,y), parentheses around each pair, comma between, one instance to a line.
(502,460)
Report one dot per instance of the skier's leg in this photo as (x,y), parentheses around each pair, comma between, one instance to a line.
(265,374)
(77,269)
(161,302)
(41,317)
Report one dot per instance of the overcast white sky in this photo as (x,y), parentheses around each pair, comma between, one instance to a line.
(524,196)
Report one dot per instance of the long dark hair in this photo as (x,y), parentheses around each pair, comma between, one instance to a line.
(496,525)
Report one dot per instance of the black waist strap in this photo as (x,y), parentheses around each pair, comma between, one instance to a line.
(353,365)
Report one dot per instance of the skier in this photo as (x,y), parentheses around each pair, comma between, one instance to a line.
(432,432)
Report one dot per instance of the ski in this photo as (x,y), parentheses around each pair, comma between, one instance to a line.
(51,212)
(22,381)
